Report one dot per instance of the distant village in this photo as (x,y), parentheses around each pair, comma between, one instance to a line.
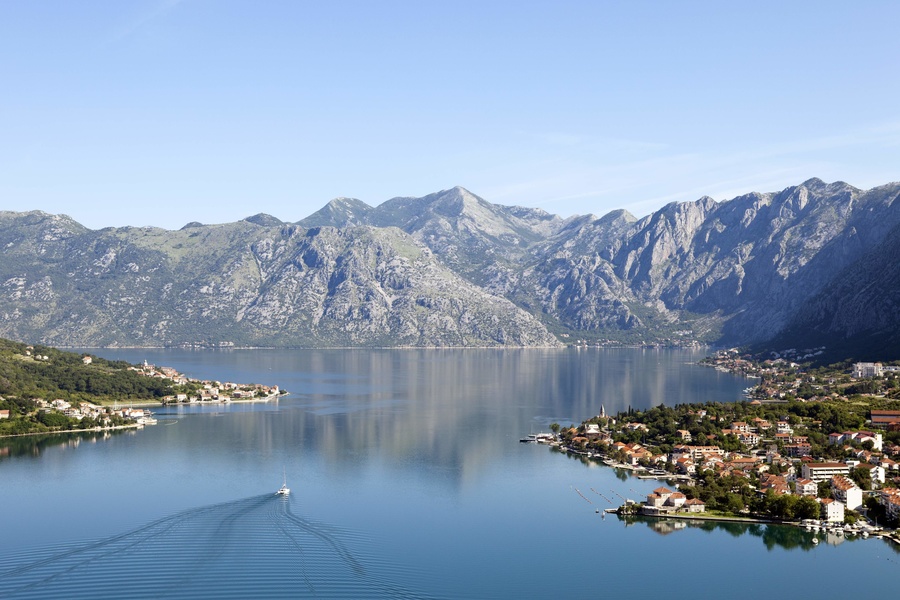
(804,447)
(207,390)
(95,416)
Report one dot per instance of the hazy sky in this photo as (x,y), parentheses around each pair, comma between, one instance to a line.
(150,112)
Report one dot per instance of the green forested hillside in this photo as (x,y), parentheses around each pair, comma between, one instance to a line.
(64,375)
(29,373)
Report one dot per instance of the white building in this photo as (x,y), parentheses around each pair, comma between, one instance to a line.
(806,487)
(867,369)
(845,490)
(832,510)
(824,470)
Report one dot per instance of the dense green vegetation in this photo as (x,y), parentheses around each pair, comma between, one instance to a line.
(64,375)
(25,375)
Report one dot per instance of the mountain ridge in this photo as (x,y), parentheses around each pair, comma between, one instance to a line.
(736,271)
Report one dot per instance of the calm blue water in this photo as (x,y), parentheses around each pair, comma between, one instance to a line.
(407,481)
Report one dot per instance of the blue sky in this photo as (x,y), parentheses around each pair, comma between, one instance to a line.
(162,112)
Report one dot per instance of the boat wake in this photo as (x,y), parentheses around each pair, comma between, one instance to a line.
(250,548)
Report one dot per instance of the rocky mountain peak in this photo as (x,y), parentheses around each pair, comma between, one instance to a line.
(264,220)
(451,268)
(339,212)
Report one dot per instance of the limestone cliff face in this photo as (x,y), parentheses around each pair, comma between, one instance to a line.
(857,314)
(451,269)
(734,271)
(242,283)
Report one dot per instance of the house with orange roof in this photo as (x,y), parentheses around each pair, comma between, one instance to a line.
(662,500)
(806,487)
(685,466)
(820,471)
(890,499)
(695,505)
(798,450)
(876,472)
(844,489)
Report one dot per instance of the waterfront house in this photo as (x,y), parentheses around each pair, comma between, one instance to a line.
(658,497)
(832,510)
(676,500)
(695,505)
(662,500)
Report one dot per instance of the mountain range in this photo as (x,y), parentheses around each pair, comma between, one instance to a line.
(812,265)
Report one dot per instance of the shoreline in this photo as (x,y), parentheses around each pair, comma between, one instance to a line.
(156,403)
(142,425)
(884,535)
(65,431)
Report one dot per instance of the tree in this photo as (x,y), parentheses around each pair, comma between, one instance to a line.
(807,508)
(862,477)
(734,503)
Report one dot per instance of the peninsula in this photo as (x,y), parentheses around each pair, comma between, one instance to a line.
(46,390)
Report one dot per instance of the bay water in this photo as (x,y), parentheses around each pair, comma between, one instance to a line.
(407,481)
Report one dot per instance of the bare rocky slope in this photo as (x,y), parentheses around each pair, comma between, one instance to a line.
(451,269)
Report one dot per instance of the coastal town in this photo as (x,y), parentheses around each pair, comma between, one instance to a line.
(206,391)
(817,448)
(35,415)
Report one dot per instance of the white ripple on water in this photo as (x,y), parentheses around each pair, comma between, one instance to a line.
(251,548)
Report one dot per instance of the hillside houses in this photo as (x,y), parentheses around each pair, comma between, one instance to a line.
(738,457)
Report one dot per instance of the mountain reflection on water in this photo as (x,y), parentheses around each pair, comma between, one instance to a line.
(415,456)
(454,408)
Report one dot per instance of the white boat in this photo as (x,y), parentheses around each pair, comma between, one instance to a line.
(284,490)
